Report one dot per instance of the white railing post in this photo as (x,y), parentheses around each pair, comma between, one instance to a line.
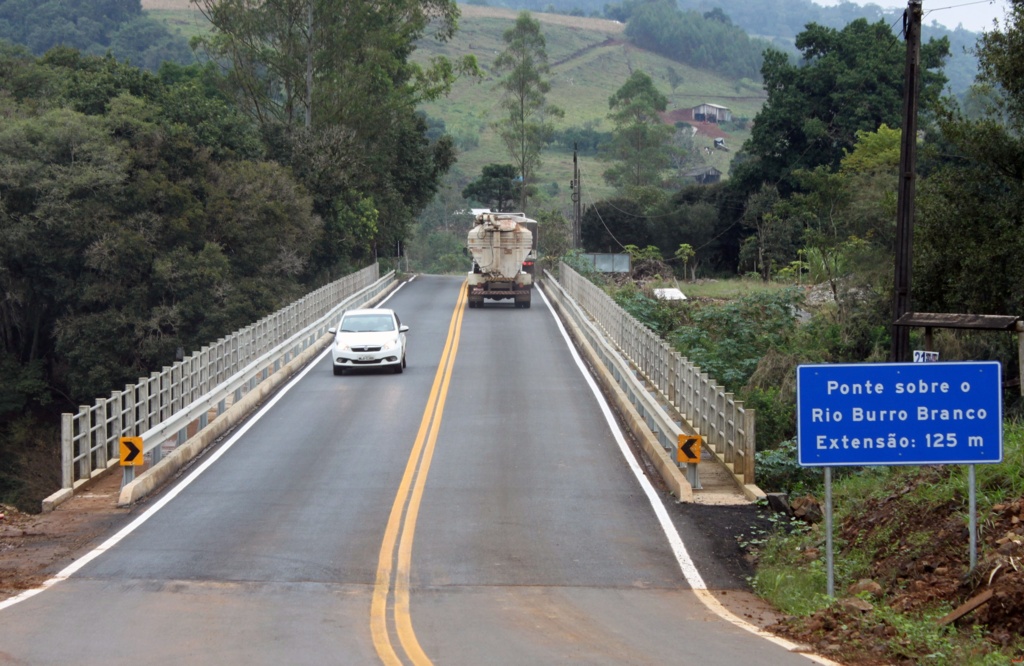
(725,424)
(90,437)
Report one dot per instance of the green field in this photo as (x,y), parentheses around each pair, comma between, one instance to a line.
(185,22)
(589,62)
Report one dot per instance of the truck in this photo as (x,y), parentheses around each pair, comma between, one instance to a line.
(503,247)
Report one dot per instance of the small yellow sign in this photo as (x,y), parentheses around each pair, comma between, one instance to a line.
(688,448)
(131,451)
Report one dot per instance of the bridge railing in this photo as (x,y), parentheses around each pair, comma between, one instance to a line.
(174,403)
(713,413)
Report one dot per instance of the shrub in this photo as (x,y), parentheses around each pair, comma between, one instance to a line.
(779,471)
(776,416)
(727,341)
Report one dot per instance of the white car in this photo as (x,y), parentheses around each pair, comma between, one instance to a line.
(369,339)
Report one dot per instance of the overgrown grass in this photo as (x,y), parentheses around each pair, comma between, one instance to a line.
(921,640)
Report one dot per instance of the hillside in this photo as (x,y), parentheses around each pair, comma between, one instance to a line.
(589,61)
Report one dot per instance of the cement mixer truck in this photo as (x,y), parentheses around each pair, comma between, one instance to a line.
(503,247)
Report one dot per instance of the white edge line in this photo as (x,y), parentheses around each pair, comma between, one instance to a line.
(686,565)
(69,570)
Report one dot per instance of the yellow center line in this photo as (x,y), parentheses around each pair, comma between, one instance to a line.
(415,472)
(403,618)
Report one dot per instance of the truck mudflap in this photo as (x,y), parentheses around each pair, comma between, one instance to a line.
(480,290)
(518,293)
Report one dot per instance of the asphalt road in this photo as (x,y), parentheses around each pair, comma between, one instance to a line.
(476,509)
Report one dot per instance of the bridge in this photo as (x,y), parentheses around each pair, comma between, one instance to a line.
(488,505)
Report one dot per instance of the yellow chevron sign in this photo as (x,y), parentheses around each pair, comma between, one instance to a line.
(131,451)
(688,448)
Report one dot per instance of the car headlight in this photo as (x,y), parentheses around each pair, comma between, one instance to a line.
(389,345)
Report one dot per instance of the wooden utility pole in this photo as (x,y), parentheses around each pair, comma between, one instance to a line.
(577,205)
(905,197)
(309,65)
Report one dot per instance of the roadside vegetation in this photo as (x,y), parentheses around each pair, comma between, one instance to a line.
(902,565)
(902,558)
(817,251)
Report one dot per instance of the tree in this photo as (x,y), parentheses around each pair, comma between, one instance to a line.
(684,255)
(705,42)
(339,74)
(969,237)
(526,128)
(555,236)
(772,244)
(93,27)
(609,226)
(497,188)
(675,79)
(850,80)
(300,60)
(640,145)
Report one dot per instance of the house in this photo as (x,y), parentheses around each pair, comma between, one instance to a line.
(704,175)
(711,113)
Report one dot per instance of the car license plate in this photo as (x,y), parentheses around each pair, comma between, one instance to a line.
(365,358)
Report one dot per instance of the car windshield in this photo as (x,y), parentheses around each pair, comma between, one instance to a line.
(369,323)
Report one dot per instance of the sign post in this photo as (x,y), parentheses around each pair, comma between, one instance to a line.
(899,414)
(688,452)
(688,448)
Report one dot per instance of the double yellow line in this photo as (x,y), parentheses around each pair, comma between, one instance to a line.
(395,564)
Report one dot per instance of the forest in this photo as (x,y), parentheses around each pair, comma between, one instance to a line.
(776,21)
(146,213)
(93,27)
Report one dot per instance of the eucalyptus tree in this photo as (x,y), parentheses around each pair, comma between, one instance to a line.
(336,61)
(641,146)
(526,126)
(969,240)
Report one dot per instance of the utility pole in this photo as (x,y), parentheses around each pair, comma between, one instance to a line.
(309,65)
(908,178)
(577,215)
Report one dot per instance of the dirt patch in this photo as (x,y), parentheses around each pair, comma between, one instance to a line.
(33,547)
(920,562)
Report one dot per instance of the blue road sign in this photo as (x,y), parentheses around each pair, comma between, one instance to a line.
(899,414)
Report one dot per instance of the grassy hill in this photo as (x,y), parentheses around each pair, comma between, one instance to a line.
(590,59)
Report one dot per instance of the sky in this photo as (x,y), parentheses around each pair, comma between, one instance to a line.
(975,15)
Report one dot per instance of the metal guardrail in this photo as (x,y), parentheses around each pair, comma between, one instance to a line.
(660,424)
(178,401)
(723,423)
